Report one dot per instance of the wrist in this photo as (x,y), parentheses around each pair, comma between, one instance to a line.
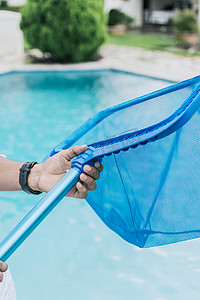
(34,177)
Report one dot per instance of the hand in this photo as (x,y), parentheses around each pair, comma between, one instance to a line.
(3,268)
(44,176)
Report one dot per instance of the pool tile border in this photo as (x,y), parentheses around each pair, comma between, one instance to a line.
(83,66)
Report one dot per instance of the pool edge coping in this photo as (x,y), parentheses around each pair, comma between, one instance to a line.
(88,66)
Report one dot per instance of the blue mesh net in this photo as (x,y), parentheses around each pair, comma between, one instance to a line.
(150,193)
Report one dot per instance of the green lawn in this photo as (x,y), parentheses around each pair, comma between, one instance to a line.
(145,41)
(149,41)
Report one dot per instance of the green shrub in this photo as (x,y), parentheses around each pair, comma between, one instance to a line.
(3,3)
(117,17)
(71,30)
(185,21)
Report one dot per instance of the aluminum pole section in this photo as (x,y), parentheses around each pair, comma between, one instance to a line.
(37,214)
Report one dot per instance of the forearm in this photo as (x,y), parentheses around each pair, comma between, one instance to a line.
(9,175)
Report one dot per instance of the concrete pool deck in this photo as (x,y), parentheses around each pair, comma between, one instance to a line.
(157,64)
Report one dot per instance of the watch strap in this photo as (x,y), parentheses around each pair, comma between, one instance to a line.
(24,172)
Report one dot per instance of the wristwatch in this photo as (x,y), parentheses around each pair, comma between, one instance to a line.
(24,172)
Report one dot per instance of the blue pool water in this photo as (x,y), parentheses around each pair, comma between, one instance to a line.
(72,255)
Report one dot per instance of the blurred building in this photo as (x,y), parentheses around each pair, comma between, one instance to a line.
(15,2)
(151,11)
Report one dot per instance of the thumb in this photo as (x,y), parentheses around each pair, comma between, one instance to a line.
(74,151)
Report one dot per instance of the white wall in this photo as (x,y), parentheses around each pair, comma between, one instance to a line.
(16,2)
(132,8)
(11,37)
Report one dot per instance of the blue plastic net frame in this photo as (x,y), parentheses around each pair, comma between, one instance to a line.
(143,220)
(141,137)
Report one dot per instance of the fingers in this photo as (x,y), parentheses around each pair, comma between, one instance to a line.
(98,166)
(88,182)
(82,191)
(72,152)
(3,266)
(92,172)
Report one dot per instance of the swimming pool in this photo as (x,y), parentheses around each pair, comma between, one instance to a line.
(72,255)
